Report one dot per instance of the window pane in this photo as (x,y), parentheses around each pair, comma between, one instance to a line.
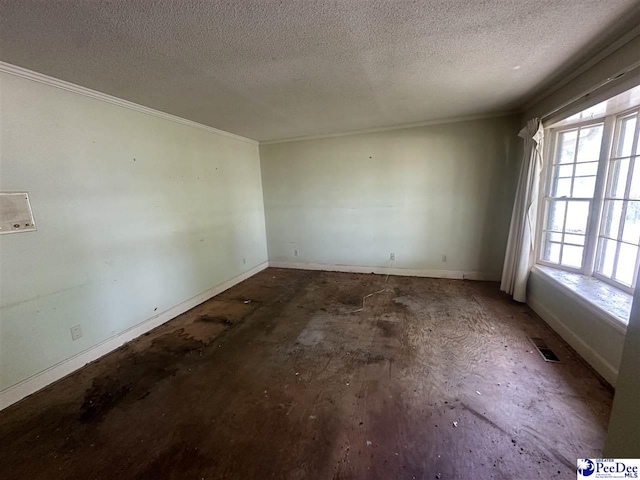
(554,237)
(618,178)
(587,168)
(631,231)
(625,139)
(583,187)
(577,214)
(634,191)
(551,252)
(555,218)
(573,239)
(572,256)
(608,253)
(589,143)
(626,264)
(566,146)
(565,171)
(562,188)
(611,218)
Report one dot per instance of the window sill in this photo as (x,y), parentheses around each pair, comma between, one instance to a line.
(608,302)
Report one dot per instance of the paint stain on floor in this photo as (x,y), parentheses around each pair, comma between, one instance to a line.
(276,378)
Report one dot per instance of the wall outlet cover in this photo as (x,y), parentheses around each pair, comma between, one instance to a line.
(76,332)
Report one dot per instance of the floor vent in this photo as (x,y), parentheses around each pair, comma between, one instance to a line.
(545,352)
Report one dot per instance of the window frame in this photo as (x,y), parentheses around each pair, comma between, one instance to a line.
(592,245)
(634,160)
(549,156)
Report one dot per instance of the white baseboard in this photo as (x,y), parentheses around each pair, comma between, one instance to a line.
(593,358)
(403,272)
(56,372)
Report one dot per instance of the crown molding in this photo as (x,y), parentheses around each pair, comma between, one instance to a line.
(569,73)
(87,92)
(427,123)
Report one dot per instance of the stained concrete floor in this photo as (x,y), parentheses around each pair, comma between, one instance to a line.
(276,378)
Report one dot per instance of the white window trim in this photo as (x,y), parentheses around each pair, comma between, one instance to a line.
(592,247)
(614,141)
(583,299)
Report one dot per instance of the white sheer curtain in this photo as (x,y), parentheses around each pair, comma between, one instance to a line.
(520,248)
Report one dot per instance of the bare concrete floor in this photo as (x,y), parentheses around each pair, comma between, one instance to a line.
(291,385)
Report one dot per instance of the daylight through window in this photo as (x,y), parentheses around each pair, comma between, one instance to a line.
(591,201)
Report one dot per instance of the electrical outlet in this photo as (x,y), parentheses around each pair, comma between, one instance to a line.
(444,258)
(296,252)
(392,256)
(76,332)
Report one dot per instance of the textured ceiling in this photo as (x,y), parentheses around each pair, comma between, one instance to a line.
(288,68)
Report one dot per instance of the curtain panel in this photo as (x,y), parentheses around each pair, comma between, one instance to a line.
(519,256)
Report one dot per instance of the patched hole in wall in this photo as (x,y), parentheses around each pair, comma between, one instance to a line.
(15,213)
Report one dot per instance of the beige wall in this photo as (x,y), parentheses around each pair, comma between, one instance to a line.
(595,339)
(421,193)
(623,439)
(599,343)
(135,215)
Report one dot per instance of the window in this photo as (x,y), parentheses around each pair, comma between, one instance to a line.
(591,200)
(570,197)
(620,231)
